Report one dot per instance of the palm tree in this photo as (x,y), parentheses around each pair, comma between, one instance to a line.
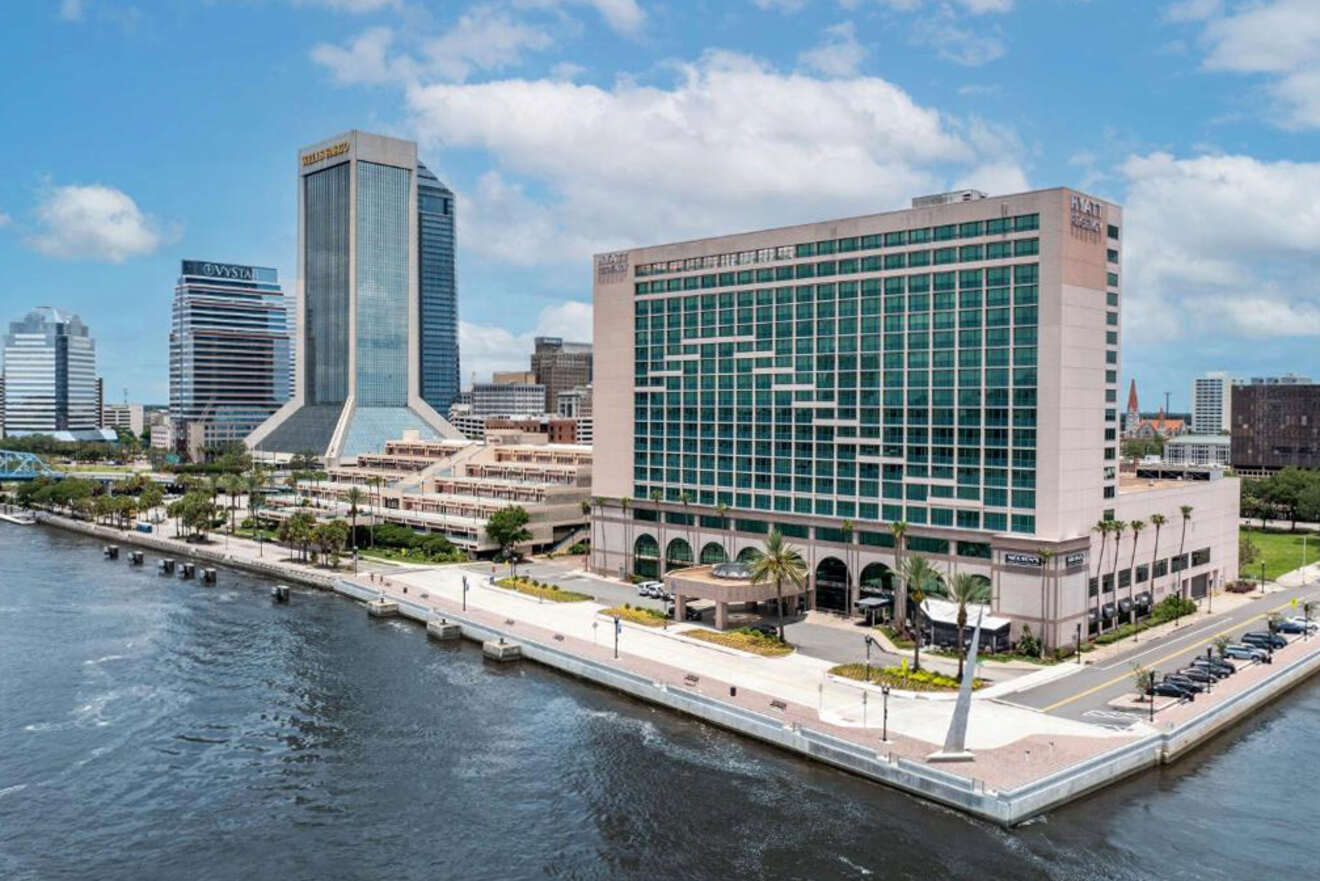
(847,527)
(625,503)
(965,589)
(1186,511)
(779,562)
(1158,521)
(1136,526)
(591,527)
(919,577)
(253,482)
(1046,555)
(898,528)
(355,496)
(723,511)
(656,496)
(1102,527)
(1118,527)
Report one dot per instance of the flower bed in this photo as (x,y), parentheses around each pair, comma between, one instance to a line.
(902,677)
(744,640)
(644,617)
(551,592)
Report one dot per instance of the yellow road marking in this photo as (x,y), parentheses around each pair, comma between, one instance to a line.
(1168,657)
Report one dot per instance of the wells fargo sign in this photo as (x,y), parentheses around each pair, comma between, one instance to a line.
(325,153)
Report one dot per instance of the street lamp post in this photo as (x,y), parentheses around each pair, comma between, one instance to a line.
(617,627)
(870,641)
(884,730)
(1079,643)
(465,590)
(1262,578)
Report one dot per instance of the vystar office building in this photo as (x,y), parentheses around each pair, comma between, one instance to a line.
(953,366)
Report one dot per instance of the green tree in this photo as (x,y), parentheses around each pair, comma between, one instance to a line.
(151,498)
(965,589)
(919,578)
(296,531)
(899,529)
(1158,521)
(330,538)
(507,527)
(355,497)
(1186,511)
(778,561)
(1144,680)
(1136,526)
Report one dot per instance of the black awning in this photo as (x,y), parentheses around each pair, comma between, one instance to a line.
(1092,614)
(1125,606)
(1107,610)
(1143,600)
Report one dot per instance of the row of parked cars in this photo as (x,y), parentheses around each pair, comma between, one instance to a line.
(655,590)
(1256,646)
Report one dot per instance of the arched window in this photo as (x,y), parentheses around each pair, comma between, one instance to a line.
(713,553)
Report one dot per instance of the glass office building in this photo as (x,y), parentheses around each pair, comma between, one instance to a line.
(952,366)
(438,304)
(359,360)
(50,376)
(230,353)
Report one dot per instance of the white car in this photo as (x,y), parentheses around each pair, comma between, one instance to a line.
(1309,623)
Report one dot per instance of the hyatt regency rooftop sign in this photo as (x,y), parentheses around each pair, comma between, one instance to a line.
(1086,214)
(218,270)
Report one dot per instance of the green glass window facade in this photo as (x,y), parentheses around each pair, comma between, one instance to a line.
(847,387)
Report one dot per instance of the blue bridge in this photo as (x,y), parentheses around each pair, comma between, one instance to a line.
(24,466)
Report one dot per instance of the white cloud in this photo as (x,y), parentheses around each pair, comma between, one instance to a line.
(354,6)
(5,220)
(781,5)
(92,222)
(731,145)
(482,38)
(71,10)
(623,16)
(487,348)
(1193,10)
(1281,39)
(364,60)
(968,45)
(839,54)
(1221,245)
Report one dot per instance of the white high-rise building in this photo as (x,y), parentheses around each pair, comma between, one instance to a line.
(1212,397)
(50,376)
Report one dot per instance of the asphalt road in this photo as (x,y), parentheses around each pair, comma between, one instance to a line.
(568,576)
(1086,694)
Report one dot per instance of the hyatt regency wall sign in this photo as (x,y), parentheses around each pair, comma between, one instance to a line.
(325,153)
(611,267)
(1087,214)
(218,270)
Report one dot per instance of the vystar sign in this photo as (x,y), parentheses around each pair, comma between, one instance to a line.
(218,270)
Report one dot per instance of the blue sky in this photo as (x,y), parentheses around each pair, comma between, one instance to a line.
(140,133)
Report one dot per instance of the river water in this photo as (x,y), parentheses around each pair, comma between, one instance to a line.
(157,729)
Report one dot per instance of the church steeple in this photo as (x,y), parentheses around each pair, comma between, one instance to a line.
(1132,398)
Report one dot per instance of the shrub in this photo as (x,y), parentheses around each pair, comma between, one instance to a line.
(1027,643)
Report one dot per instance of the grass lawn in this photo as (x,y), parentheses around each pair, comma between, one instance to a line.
(744,640)
(551,592)
(644,617)
(1280,552)
(408,555)
(901,677)
(895,637)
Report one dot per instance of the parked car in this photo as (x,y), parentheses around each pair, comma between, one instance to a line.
(1171,689)
(1223,663)
(1179,679)
(1310,624)
(1291,625)
(1197,674)
(1212,668)
(1264,639)
(643,590)
(653,589)
(1244,652)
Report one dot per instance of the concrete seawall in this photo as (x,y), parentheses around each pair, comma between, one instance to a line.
(1005,807)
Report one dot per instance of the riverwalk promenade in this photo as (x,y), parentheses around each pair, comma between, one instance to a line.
(1024,761)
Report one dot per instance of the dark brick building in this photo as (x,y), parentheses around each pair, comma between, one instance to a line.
(1275,426)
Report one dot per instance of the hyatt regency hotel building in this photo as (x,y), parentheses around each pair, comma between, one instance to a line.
(954,366)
